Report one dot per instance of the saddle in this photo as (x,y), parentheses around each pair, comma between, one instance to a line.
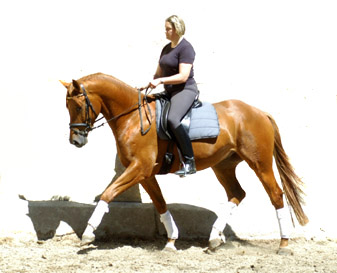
(200,122)
(163,105)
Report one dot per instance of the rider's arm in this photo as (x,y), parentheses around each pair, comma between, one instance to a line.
(158,73)
(181,77)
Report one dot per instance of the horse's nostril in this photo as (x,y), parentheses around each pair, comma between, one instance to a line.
(78,140)
(76,143)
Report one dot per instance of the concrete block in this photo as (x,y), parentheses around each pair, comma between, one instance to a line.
(128,220)
(124,220)
(46,216)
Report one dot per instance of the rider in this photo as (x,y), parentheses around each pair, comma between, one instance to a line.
(175,71)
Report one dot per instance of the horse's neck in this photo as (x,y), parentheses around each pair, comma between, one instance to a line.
(117,98)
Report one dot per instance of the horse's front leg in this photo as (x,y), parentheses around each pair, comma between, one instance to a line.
(133,174)
(152,188)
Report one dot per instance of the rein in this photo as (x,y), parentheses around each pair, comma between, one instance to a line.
(89,127)
(145,102)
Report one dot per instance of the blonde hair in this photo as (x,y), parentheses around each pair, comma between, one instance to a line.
(177,23)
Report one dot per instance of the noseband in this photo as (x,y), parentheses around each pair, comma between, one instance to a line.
(87,123)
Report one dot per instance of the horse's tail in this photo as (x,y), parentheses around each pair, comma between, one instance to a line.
(292,184)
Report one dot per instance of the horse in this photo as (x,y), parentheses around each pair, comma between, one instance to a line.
(246,134)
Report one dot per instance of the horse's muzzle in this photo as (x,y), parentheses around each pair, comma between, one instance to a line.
(78,140)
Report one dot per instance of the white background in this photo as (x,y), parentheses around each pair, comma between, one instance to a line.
(279,56)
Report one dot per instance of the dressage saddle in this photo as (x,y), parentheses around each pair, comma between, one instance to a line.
(162,109)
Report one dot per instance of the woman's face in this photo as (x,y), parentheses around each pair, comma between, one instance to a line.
(170,31)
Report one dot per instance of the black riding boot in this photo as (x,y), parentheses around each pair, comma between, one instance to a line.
(184,143)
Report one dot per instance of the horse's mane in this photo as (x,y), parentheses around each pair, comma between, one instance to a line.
(99,75)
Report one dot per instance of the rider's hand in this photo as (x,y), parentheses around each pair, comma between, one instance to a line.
(154,83)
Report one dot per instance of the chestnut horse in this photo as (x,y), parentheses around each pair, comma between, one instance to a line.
(246,133)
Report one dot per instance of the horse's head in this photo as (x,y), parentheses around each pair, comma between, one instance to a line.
(82,113)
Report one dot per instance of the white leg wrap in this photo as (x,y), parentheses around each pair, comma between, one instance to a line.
(88,236)
(220,223)
(170,226)
(283,217)
(96,218)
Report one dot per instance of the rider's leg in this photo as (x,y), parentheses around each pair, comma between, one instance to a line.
(181,102)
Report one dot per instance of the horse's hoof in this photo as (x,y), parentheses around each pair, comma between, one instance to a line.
(87,240)
(285,251)
(170,247)
(214,244)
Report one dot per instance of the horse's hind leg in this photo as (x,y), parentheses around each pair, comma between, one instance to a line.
(225,172)
(152,188)
(263,167)
(275,193)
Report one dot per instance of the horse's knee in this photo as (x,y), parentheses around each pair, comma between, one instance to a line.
(108,195)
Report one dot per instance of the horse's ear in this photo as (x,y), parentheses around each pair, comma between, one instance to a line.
(76,84)
(77,88)
(65,84)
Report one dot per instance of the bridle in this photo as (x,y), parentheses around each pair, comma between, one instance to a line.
(88,124)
